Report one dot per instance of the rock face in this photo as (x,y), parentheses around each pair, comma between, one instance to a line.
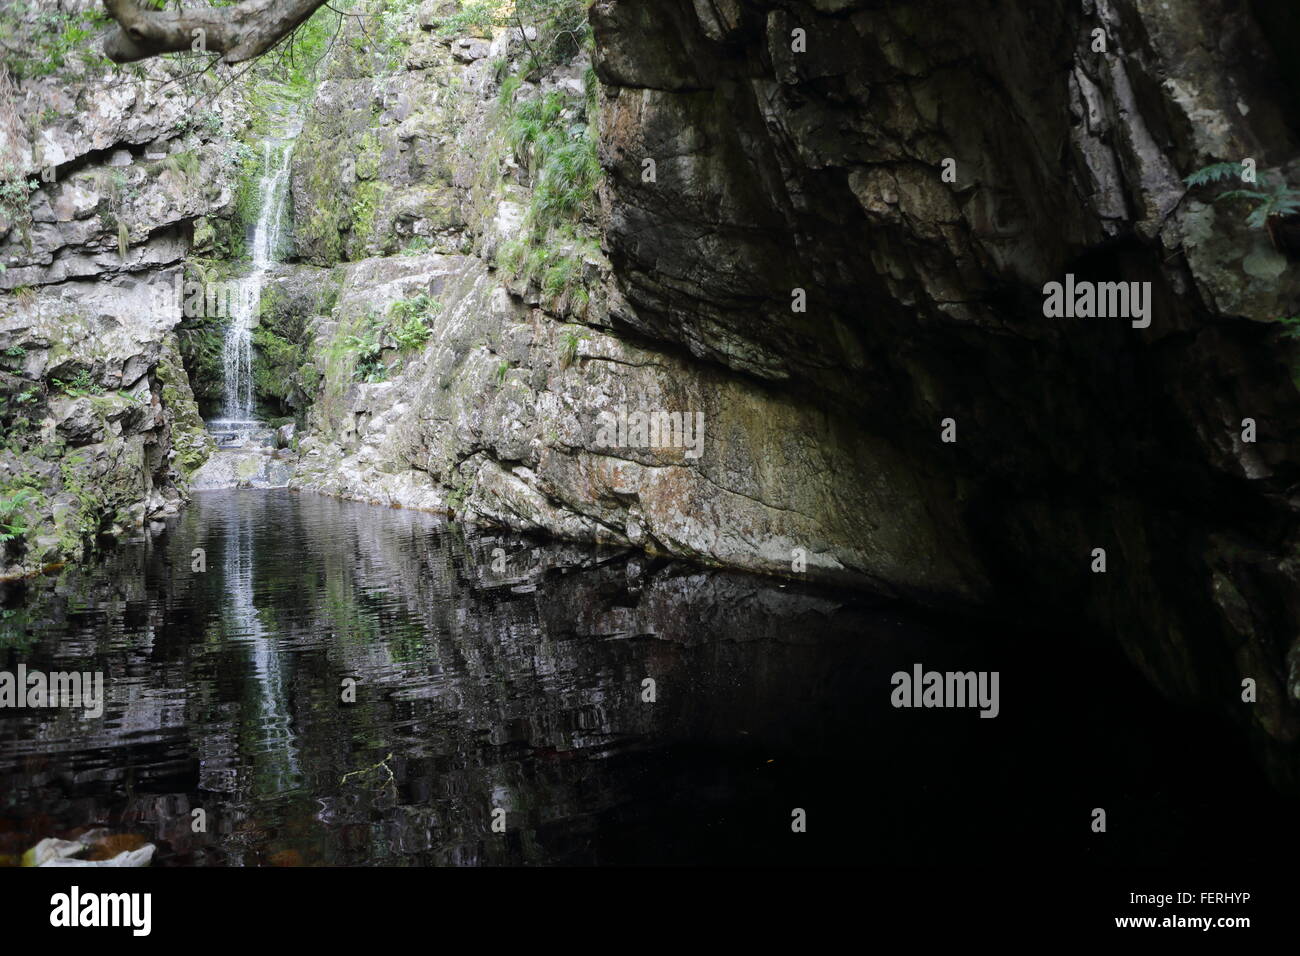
(838,258)
(107,176)
(802,145)
(510,411)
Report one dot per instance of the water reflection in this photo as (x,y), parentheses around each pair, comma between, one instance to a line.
(495,672)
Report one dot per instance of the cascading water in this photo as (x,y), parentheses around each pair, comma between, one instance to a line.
(239,418)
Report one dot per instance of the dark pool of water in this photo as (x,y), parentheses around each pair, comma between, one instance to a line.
(513,679)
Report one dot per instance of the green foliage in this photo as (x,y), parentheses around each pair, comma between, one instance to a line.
(476,18)
(562,27)
(412,334)
(207,122)
(201,338)
(509,86)
(16,424)
(551,138)
(367,352)
(365,204)
(1267,201)
(415,316)
(569,342)
(81,385)
(248,196)
(11,523)
(87,519)
(558,275)
(422,306)
(14,193)
(1282,200)
(38,41)
(185,163)
(275,360)
(1291,327)
(1214,173)
(295,63)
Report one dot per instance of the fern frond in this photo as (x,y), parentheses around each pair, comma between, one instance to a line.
(1244,194)
(1214,173)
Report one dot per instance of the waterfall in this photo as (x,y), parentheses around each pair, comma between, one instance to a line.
(237,350)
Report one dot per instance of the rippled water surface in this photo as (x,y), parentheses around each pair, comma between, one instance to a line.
(497,672)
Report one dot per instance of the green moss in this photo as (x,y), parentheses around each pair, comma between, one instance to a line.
(367,161)
(190,439)
(275,365)
(365,203)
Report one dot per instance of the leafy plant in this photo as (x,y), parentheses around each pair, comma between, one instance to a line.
(40,41)
(551,138)
(10,527)
(1277,200)
(1291,327)
(415,316)
(1282,200)
(14,192)
(412,334)
(82,384)
(1214,173)
(369,365)
(422,306)
(569,348)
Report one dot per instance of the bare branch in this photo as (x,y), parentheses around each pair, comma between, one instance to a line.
(238,33)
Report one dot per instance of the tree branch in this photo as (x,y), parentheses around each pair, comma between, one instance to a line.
(238,33)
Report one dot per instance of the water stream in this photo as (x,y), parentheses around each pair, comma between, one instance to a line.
(239,418)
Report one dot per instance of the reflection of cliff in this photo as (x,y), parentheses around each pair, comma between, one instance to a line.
(519,689)
(517,686)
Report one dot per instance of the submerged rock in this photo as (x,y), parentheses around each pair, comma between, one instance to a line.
(53,852)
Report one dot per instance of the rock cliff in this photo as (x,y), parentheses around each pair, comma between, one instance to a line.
(828,227)
(106,178)
(760,283)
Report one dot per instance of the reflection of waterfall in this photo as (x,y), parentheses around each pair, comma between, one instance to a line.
(237,350)
(276,765)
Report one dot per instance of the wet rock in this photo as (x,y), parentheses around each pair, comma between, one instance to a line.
(78,421)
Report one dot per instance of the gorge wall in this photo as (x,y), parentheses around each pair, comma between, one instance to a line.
(107,177)
(495,258)
(821,171)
